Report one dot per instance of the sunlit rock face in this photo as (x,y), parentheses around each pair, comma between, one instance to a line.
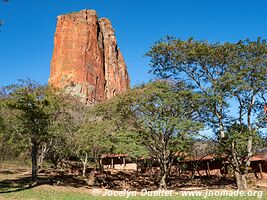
(86,61)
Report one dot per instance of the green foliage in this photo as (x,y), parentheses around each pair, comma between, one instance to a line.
(62,124)
(167,115)
(236,138)
(31,106)
(12,143)
(28,98)
(231,76)
(156,108)
(38,116)
(118,126)
(89,139)
(130,142)
(222,71)
(156,119)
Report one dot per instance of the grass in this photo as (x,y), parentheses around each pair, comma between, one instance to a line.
(62,193)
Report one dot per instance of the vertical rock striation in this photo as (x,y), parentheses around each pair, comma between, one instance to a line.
(86,61)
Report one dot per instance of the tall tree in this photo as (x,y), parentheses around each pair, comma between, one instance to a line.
(161,118)
(232,76)
(169,117)
(29,99)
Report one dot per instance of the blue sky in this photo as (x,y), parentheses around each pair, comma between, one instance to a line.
(26,40)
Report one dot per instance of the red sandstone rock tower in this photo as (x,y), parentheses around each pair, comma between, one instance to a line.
(86,61)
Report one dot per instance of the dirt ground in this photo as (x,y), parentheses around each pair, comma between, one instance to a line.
(16,178)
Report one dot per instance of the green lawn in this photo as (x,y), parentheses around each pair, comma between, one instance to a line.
(48,193)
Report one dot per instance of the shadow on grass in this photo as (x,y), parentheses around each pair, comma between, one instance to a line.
(25,183)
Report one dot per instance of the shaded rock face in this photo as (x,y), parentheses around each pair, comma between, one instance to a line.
(86,61)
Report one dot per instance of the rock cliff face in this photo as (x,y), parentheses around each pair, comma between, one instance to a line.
(86,61)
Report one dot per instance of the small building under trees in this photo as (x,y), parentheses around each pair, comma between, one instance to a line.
(117,161)
(209,165)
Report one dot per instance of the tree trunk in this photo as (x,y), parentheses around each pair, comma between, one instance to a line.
(96,160)
(84,165)
(163,181)
(42,154)
(193,175)
(241,181)
(240,177)
(34,160)
(250,138)
(164,172)
(221,126)
(249,149)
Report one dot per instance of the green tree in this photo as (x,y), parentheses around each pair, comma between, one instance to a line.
(33,114)
(57,146)
(12,143)
(235,144)
(60,122)
(169,117)
(232,76)
(76,133)
(159,119)
(118,126)
(88,142)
